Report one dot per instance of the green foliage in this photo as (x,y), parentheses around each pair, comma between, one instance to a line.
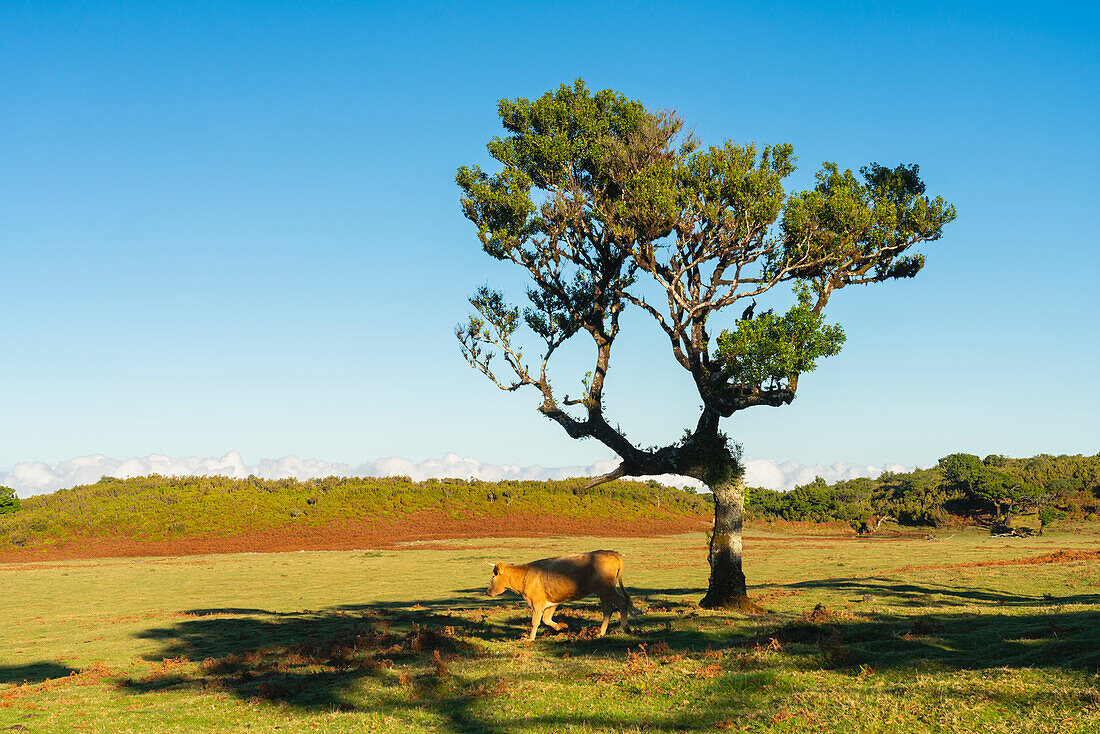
(809,502)
(771,349)
(1047,515)
(595,193)
(959,487)
(9,503)
(961,470)
(869,225)
(565,139)
(917,498)
(996,487)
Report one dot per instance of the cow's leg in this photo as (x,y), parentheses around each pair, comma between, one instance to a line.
(548,618)
(536,617)
(624,612)
(607,610)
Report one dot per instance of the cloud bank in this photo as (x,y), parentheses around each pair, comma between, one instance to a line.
(790,474)
(30,478)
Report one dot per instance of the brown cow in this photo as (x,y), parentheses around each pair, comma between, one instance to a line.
(552,581)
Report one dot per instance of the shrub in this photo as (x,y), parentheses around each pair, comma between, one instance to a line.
(939,518)
(1047,515)
(8,501)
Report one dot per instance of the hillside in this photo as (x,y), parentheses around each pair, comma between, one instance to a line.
(157,515)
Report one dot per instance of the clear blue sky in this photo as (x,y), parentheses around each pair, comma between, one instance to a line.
(234,226)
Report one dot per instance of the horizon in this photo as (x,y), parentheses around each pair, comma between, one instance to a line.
(29,479)
(237,226)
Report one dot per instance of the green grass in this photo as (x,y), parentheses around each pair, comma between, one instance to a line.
(862,636)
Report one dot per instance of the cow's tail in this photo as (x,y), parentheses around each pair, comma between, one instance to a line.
(630,608)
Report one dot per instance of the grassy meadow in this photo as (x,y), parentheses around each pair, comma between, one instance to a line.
(861,635)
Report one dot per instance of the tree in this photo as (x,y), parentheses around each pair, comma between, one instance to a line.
(813,501)
(961,471)
(1005,492)
(8,501)
(602,201)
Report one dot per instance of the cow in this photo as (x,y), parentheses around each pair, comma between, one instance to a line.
(552,581)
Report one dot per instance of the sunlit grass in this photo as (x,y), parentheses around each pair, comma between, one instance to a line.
(861,636)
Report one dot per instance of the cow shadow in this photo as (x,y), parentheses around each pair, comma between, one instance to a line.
(34,672)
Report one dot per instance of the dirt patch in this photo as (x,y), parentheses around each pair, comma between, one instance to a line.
(772,595)
(33,566)
(799,531)
(450,544)
(361,534)
(829,541)
(1062,556)
(805,527)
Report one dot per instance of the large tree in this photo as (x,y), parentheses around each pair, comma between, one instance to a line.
(602,202)
(961,471)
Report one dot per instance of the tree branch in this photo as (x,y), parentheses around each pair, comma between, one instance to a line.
(611,476)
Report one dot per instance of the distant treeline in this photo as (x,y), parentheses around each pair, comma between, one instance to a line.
(166,508)
(961,487)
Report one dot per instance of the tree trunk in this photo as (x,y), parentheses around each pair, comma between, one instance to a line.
(727,582)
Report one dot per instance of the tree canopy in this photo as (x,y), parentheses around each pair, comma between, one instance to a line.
(595,192)
(602,201)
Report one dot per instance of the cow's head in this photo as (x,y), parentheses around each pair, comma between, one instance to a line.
(496,585)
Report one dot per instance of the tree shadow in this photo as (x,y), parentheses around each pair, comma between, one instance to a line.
(966,641)
(395,657)
(917,595)
(1000,634)
(34,672)
(231,610)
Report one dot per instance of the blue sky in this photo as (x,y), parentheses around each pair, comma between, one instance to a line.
(234,226)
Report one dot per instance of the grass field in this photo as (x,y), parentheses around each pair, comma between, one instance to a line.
(903,634)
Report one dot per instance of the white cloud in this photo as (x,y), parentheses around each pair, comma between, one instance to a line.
(790,474)
(30,478)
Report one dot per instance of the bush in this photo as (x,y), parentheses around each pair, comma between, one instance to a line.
(1047,515)
(939,518)
(863,527)
(8,501)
